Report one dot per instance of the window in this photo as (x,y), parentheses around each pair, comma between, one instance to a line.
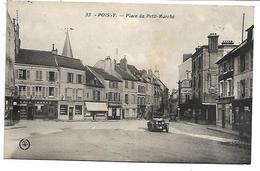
(78,110)
(63,109)
(51,76)
(51,91)
(79,79)
(242,88)
(38,75)
(113,84)
(22,90)
(70,78)
(38,91)
(115,96)
(133,85)
(95,81)
(110,98)
(251,88)
(242,63)
(79,93)
(22,74)
(68,92)
(126,98)
(126,84)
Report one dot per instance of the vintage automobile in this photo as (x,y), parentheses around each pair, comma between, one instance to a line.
(157,124)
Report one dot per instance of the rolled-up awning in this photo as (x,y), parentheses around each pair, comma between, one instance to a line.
(96,107)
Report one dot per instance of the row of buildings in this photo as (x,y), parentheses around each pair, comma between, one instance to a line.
(215,84)
(48,85)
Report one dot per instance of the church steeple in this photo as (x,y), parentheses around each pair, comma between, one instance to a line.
(67,51)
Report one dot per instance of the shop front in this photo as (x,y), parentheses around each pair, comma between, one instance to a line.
(71,110)
(95,110)
(242,110)
(38,109)
(114,112)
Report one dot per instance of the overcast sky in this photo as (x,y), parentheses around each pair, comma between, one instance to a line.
(145,42)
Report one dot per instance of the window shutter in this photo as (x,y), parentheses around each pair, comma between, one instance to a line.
(56,92)
(33,91)
(27,74)
(55,76)
(47,76)
(28,91)
(47,91)
(16,73)
(77,80)
(238,65)
(238,90)
(40,75)
(43,91)
(246,88)
(73,95)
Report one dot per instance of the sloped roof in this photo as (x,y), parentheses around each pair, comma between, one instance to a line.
(46,58)
(124,74)
(68,62)
(35,57)
(104,74)
(90,77)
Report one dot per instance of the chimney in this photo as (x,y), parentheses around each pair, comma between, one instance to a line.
(54,51)
(227,42)
(213,42)
(123,63)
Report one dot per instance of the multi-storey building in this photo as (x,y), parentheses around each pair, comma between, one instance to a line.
(129,98)
(94,97)
(205,78)
(236,87)
(112,92)
(71,88)
(12,44)
(243,84)
(184,87)
(37,83)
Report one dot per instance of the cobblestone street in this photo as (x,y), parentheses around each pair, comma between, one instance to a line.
(124,140)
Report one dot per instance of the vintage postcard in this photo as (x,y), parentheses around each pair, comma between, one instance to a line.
(129,82)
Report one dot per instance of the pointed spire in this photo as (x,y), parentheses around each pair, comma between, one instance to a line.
(67,51)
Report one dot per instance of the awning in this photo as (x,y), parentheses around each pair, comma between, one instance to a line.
(96,107)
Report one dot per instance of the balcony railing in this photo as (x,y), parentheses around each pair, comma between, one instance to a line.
(225,75)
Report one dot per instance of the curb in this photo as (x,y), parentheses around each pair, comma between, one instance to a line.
(224,131)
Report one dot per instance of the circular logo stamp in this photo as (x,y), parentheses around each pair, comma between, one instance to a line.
(24,144)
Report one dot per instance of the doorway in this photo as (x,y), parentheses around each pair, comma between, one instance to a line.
(70,113)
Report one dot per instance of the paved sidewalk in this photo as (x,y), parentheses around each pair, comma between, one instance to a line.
(227,131)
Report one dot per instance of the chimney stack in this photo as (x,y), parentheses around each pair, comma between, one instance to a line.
(54,51)
(213,42)
(227,42)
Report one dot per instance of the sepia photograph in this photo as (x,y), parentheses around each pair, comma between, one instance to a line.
(128,82)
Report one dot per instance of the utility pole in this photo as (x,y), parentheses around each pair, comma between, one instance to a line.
(243,25)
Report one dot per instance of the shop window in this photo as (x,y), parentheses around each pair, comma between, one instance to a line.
(78,110)
(63,109)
